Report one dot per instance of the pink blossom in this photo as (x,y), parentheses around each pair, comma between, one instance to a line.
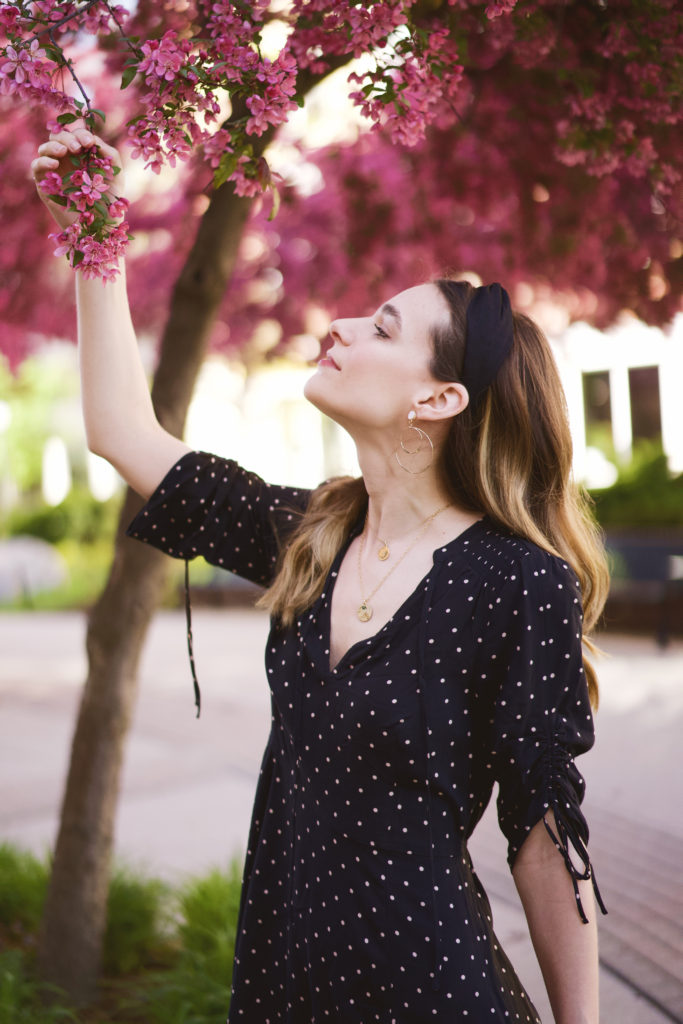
(163,58)
(216,145)
(22,64)
(245,184)
(52,184)
(8,16)
(92,188)
(258,122)
(499,8)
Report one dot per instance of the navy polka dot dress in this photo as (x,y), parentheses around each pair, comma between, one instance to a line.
(359,900)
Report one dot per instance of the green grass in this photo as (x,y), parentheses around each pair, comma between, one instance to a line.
(168,952)
(138,923)
(20,1000)
(23,883)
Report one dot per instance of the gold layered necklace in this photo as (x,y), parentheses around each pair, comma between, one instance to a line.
(364,610)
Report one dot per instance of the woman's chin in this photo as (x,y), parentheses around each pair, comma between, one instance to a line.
(319,392)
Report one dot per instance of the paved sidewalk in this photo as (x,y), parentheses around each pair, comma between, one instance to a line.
(188,785)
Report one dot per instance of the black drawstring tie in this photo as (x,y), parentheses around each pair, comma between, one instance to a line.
(190,650)
(568,833)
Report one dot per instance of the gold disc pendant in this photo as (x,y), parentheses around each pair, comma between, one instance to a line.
(383,552)
(364,612)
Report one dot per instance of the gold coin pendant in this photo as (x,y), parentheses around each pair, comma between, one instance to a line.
(383,553)
(364,612)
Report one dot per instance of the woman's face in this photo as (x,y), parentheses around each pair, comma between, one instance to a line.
(377,368)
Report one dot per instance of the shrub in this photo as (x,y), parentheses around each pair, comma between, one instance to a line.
(645,494)
(178,947)
(79,517)
(197,989)
(137,922)
(23,884)
(21,999)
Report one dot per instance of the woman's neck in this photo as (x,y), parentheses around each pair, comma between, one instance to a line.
(399,502)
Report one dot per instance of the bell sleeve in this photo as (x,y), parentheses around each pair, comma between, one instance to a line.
(210,506)
(542,714)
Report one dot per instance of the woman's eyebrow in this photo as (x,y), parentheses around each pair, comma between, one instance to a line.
(389,310)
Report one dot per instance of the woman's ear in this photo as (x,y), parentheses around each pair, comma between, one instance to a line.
(444,402)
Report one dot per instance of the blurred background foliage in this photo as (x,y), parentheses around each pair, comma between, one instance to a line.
(168,949)
(644,495)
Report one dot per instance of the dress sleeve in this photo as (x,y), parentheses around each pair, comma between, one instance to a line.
(210,506)
(542,716)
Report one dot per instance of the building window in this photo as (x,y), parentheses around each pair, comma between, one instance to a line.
(646,416)
(598,411)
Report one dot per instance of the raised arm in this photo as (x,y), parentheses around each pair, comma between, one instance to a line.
(119,419)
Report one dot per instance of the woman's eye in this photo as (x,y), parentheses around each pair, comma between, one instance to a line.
(380,332)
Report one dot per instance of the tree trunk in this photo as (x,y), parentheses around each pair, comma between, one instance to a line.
(70,945)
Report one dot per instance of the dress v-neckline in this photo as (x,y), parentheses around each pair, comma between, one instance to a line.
(365,642)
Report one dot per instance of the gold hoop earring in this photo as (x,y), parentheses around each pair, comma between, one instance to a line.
(416,443)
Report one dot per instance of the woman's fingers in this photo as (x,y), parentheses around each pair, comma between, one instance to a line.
(53,149)
(42,165)
(53,156)
(67,139)
(75,140)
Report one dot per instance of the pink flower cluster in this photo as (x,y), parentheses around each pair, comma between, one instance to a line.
(181,76)
(96,240)
(92,256)
(407,94)
(163,58)
(25,71)
(324,29)
(615,109)
(59,16)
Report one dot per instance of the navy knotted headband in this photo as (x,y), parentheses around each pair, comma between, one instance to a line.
(488,338)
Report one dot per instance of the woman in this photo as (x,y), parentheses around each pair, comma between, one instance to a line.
(425,643)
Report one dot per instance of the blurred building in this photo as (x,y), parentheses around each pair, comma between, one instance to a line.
(623,386)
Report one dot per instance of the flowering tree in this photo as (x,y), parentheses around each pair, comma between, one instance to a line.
(523,139)
(544,133)
(205,50)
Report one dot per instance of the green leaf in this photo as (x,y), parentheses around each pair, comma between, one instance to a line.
(67,118)
(225,168)
(101,208)
(276,203)
(99,113)
(78,257)
(128,76)
(59,200)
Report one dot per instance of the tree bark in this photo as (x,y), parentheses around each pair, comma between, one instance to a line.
(70,944)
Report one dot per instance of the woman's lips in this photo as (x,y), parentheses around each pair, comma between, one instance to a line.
(328,361)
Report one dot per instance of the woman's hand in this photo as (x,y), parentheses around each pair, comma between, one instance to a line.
(54,157)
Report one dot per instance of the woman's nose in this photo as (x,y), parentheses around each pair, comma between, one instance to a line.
(339,333)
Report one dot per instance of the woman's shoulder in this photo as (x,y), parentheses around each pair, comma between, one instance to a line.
(506,560)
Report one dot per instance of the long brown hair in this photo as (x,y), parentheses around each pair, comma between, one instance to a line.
(509,457)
